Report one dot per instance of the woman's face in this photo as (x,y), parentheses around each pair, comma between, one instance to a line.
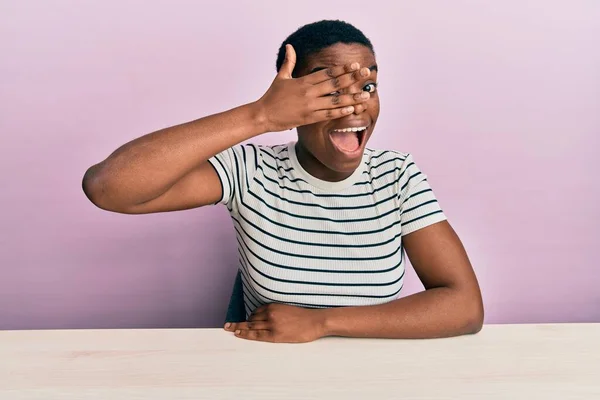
(323,150)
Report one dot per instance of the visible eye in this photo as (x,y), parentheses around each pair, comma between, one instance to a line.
(371,87)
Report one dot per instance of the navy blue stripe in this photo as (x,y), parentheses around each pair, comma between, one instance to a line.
(384,174)
(252,294)
(281,168)
(255,156)
(248,302)
(351,233)
(241,251)
(421,217)
(320,194)
(273,157)
(383,163)
(247,297)
(241,241)
(320,218)
(270,300)
(418,206)
(416,193)
(385,152)
(278,237)
(378,155)
(299,203)
(408,181)
(318,294)
(248,289)
(356,184)
(245,165)
(310,256)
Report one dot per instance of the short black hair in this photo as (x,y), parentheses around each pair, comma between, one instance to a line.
(312,38)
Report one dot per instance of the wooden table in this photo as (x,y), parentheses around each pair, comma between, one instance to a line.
(501,362)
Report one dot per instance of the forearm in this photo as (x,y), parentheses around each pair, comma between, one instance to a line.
(437,312)
(146,167)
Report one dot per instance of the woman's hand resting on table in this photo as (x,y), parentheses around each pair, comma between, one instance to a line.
(280,323)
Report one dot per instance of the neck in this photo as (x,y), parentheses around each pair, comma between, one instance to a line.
(316,168)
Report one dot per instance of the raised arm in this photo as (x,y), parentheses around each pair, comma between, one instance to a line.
(168,170)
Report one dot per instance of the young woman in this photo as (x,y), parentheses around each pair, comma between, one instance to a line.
(324,223)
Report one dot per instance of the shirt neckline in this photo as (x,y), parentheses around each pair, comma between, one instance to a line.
(319,183)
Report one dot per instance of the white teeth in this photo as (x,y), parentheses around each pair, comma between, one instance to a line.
(362,128)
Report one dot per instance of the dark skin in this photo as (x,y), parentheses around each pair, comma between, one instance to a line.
(167,170)
(451,304)
(315,150)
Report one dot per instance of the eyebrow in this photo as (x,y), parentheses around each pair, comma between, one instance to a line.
(372,68)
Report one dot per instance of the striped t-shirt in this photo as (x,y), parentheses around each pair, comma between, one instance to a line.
(312,243)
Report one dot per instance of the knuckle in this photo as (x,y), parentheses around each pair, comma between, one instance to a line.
(329,114)
(336,99)
(305,92)
(335,82)
(330,72)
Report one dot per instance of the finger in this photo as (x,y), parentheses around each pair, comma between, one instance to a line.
(331,72)
(260,316)
(338,83)
(360,108)
(332,113)
(342,100)
(259,325)
(233,326)
(287,68)
(260,335)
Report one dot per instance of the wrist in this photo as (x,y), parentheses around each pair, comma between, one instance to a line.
(326,321)
(258,116)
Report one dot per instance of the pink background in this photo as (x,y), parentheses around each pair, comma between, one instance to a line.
(499,101)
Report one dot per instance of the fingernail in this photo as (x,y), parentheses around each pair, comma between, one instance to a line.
(354,66)
(364,95)
(227,325)
(348,110)
(237,332)
(364,72)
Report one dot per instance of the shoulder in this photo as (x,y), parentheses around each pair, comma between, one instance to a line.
(395,166)
(258,151)
(378,160)
(271,153)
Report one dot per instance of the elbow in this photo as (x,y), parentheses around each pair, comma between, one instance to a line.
(94,187)
(474,316)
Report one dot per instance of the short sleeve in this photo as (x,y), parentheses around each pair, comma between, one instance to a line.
(419,206)
(235,168)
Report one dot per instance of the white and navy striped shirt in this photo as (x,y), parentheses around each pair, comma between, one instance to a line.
(312,243)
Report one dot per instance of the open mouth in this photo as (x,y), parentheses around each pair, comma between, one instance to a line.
(348,140)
